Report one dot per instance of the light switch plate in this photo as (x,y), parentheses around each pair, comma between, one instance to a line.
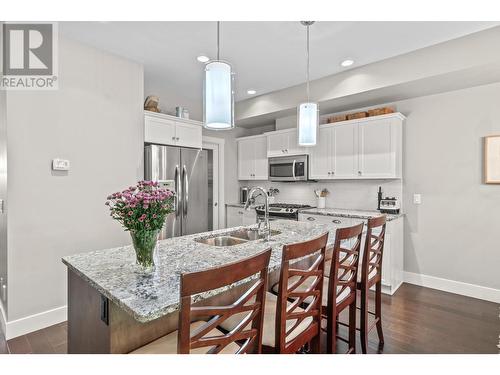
(417,198)
(60,165)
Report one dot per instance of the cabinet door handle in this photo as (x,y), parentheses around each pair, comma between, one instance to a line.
(329,173)
(177,138)
(336,221)
(333,172)
(359,173)
(310,218)
(173,138)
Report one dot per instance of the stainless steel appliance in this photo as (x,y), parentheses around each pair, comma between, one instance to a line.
(186,171)
(288,168)
(389,205)
(244,194)
(282,211)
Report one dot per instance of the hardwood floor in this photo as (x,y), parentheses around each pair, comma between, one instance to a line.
(50,340)
(415,320)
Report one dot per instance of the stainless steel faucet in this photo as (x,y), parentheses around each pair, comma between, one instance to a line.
(263,191)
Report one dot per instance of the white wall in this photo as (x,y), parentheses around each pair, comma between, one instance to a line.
(3,196)
(94,120)
(170,99)
(454,234)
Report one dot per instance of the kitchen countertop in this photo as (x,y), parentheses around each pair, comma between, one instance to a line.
(148,296)
(355,214)
(242,205)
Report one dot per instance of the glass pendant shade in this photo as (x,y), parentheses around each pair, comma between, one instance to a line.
(218,100)
(307,124)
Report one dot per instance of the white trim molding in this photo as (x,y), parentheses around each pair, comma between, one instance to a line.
(3,319)
(452,286)
(35,322)
(222,200)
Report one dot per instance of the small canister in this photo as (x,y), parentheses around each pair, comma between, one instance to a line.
(243,194)
(179,111)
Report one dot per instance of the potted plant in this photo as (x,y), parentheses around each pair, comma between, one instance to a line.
(142,210)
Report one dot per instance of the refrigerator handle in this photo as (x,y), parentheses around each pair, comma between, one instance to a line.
(185,191)
(178,193)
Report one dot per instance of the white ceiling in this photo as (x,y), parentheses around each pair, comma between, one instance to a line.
(266,56)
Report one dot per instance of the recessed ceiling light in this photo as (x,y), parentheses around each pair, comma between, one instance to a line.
(347,62)
(203,58)
(251,92)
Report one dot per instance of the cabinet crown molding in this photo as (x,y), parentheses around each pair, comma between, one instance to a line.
(396,115)
(164,116)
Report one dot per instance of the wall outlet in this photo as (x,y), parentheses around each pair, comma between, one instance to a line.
(417,199)
(60,165)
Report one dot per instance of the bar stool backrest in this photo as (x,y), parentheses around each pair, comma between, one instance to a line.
(291,290)
(344,268)
(249,330)
(371,266)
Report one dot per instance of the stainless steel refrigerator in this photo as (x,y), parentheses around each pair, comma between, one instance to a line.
(186,171)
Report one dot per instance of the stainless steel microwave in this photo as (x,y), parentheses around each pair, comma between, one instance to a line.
(288,168)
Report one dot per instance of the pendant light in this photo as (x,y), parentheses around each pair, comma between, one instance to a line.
(218,94)
(307,112)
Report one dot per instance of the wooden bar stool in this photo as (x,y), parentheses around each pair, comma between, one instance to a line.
(342,285)
(198,336)
(287,326)
(370,275)
(301,287)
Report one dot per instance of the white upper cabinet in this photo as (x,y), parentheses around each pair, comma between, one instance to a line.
(252,158)
(345,151)
(378,148)
(157,130)
(169,130)
(358,149)
(283,143)
(320,156)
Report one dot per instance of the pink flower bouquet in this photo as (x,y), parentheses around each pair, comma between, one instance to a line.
(142,210)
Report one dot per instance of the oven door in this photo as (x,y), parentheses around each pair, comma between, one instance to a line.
(288,168)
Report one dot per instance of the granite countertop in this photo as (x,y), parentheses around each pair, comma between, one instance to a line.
(242,205)
(355,214)
(148,296)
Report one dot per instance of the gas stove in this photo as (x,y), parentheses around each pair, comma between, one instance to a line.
(282,210)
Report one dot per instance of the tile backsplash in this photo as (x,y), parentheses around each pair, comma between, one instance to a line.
(349,194)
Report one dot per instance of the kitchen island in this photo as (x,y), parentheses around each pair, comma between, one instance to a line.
(113,307)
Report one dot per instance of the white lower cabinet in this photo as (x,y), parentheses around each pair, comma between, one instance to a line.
(249,217)
(392,261)
(238,216)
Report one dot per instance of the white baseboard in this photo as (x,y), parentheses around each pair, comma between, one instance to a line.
(3,319)
(35,322)
(457,287)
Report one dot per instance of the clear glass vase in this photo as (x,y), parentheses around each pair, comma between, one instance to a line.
(144,242)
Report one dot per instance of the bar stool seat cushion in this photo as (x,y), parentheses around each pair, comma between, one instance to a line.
(305,285)
(269,326)
(328,265)
(168,344)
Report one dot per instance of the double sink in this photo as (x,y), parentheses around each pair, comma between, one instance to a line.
(236,237)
